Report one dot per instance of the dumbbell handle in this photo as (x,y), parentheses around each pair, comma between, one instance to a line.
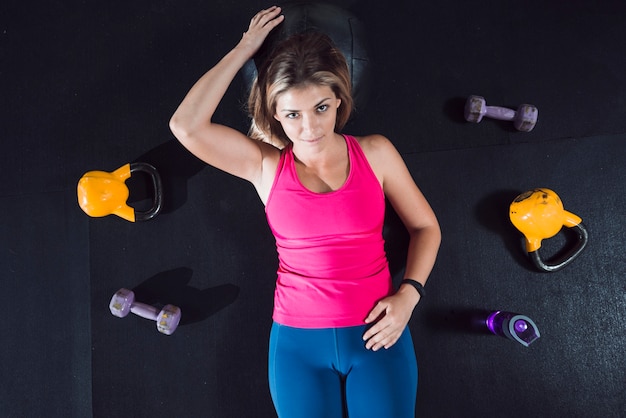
(145,311)
(500,113)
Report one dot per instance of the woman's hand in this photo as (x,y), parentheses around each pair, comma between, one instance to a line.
(260,26)
(391,316)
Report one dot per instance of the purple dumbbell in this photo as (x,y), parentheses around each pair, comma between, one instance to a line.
(167,319)
(524,119)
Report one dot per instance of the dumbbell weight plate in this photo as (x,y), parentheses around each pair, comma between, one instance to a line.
(526,118)
(168,319)
(121,302)
(475,108)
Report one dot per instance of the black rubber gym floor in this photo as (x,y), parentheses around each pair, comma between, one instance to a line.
(92,86)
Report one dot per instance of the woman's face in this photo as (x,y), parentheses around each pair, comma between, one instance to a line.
(307,114)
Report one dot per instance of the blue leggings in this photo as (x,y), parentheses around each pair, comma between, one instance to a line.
(328,373)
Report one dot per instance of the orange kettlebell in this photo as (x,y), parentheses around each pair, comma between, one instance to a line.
(101,193)
(539,214)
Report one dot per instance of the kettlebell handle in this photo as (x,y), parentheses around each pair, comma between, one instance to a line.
(565,259)
(157,201)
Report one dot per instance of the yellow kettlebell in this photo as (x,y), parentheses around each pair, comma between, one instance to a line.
(539,214)
(101,193)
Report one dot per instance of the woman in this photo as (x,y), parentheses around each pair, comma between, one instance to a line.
(340,343)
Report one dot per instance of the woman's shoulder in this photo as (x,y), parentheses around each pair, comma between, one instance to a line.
(375,145)
(380,153)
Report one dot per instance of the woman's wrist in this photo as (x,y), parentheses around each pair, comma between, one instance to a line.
(417,287)
(244,51)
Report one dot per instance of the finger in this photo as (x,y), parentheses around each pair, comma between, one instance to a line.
(273,18)
(263,24)
(374,346)
(257,17)
(375,313)
(274,22)
(371,333)
(376,343)
(266,15)
(263,12)
(376,336)
(391,340)
(388,340)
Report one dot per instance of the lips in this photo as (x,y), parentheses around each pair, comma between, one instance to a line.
(312,139)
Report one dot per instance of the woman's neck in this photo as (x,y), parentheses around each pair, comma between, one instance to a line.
(327,153)
(324,171)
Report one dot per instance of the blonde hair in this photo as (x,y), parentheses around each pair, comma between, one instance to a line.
(300,60)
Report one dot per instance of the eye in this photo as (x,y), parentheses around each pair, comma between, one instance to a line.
(291,115)
(322,108)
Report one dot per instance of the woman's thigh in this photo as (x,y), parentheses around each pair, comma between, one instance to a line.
(302,378)
(384,382)
(329,373)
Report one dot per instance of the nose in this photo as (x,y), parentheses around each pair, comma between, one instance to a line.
(309,125)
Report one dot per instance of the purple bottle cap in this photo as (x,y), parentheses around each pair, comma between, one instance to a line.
(521,325)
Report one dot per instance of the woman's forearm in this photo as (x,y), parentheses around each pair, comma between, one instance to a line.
(196,110)
(198,106)
(422,253)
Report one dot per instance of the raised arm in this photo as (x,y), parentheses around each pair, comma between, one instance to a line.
(218,145)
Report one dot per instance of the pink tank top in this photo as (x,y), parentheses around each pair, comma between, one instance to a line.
(332,264)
